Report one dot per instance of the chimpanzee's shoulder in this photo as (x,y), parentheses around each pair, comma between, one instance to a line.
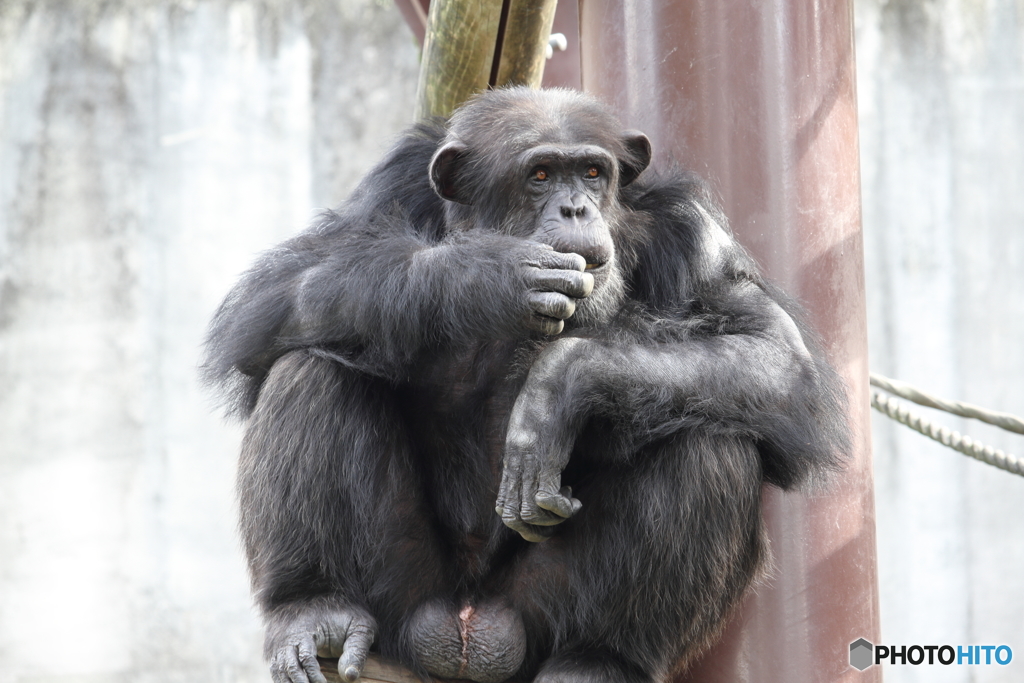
(683,246)
(398,188)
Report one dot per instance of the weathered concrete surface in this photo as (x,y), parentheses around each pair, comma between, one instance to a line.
(147,151)
(941,89)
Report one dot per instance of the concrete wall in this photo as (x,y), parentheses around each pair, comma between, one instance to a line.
(941,90)
(149,149)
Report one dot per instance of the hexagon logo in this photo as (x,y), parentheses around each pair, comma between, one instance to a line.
(861,654)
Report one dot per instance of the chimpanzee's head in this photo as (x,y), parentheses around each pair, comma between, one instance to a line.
(545,165)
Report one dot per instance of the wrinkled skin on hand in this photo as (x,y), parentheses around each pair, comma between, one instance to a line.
(531,499)
(555,281)
(297,635)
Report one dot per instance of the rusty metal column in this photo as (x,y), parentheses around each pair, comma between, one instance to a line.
(760,98)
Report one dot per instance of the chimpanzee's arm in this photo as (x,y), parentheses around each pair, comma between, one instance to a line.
(706,346)
(392,294)
(380,280)
(763,384)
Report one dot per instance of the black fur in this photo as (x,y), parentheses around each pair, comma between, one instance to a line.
(378,358)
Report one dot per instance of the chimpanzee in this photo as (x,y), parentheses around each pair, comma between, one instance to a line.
(510,408)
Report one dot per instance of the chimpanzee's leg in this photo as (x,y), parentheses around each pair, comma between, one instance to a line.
(332,513)
(639,579)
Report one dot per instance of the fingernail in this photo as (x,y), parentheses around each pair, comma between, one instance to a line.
(588,284)
(351,673)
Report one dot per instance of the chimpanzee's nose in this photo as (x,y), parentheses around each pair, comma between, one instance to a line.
(574,206)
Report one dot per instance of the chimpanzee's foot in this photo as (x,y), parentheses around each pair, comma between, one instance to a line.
(483,642)
(589,667)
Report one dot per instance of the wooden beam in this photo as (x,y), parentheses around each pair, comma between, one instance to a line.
(470,46)
(458,53)
(525,43)
(376,670)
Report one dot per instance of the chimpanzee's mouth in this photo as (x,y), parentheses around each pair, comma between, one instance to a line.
(594,266)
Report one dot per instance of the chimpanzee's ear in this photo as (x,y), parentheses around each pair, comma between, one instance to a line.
(444,171)
(638,156)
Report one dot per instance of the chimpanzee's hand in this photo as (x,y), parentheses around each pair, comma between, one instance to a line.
(531,499)
(554,281)
(294,639)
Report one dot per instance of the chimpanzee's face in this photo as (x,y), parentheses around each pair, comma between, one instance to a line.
(547,168)
(568,189)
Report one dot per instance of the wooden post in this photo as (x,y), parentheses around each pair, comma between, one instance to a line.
(524,43)
(458,53)
(376,670)
(470,46)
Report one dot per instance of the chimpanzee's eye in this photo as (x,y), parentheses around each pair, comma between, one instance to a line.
(593,172)
(540,174)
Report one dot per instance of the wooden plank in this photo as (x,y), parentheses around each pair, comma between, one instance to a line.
(458,53)
(376,670)
(525,42)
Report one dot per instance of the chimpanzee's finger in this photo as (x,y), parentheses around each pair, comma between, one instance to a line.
(510,505)
(530,532)
(285,667)
(551,496)
(277,670)
(544,324)
(552,305)
(508,492)
(556,260)
(307,659)
(357,646)
(568,282)
(561,505)
(576,503)
(534,514)
(529,511)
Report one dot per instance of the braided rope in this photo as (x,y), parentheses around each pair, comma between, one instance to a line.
(898,411)
(1006,421)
